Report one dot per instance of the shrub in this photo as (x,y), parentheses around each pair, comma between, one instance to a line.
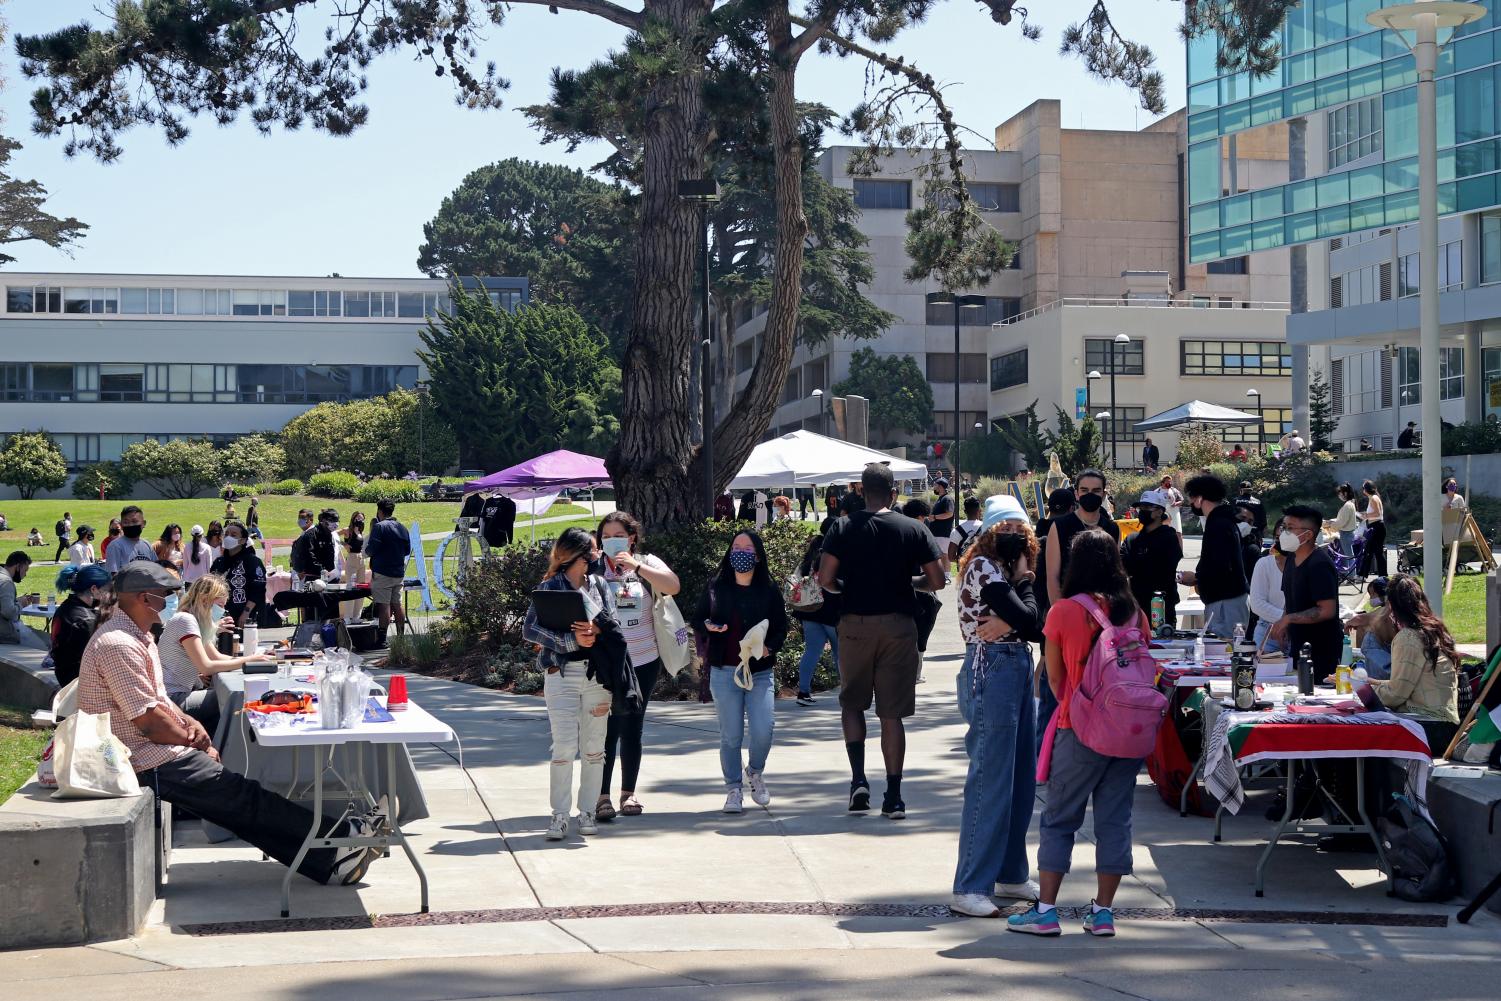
(1199,449)
(252,457)
(415,651)
(387,436)
(493,595)
(31,461)
(694,552)
(107,475)
(333,484)
(528,683)
(401,491)
(1473,438)
(239,490)
(284,488)
(179,468)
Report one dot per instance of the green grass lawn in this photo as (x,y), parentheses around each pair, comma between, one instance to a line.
(20,749)
(1464,609)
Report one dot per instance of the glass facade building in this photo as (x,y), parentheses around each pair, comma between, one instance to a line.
(1361,83)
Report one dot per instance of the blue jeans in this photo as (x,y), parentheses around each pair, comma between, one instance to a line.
(1221,617)
(735,706)
(1000,790)
(815,635)
(1347,543)
(1262,628)
(1080,777)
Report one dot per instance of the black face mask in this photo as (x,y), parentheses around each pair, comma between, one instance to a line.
(1090,503)
(131,531)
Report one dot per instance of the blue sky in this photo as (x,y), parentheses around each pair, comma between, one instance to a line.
(231,201)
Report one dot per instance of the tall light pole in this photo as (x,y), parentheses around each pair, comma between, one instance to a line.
(1089,390)
(1425,20)
(958,302)
(1260,421)
(703,192)
(1114,347)
(422,388)
(817,394)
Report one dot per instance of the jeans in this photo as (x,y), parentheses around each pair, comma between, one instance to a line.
(1347,543)
(578,710)
(1000,790)
(202,704)
(735,707)
(815,635)
(1262,628)
(1373,560)
(1221,617)
(255,815)
(1079,776)
(624,731)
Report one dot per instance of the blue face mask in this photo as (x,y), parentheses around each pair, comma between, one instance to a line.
(613,547)
(742,560)
(216,612)
(169,609)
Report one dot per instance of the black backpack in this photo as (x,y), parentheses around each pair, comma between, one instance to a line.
(1417,853)
(61,528)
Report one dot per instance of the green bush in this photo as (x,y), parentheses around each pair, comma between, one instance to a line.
(252,457)
(337,484)
(415,651)
(694,552)
(108,475)
(239,489)
(401,491)
(493,595)
(1481,438)
(282,488)
(528,683)
(1199,449)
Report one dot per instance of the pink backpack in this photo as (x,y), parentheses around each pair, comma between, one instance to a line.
(1117,708)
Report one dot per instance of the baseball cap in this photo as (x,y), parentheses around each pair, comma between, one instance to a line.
(143,575)
(196,530)
(942,481)
(1002,507)
(1157,497)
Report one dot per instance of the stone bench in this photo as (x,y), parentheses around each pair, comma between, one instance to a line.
(24,682)
(1466,812)
(76,870)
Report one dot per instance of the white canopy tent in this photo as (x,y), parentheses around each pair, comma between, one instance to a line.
(1195,412)
(803,458)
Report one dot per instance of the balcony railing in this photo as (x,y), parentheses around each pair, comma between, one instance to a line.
(1118,301)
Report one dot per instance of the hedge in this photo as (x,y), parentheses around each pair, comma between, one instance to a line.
(281,488)
(400,491)
(333,484)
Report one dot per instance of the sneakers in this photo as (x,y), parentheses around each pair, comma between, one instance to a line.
(558,829)
(588,823)
(974,905)
(859,796)
(1100,922)
(893,809)
(760,795)
(1027,889)
(604,810)
(350,868)
(805,699)
(733,800)
(1035,922)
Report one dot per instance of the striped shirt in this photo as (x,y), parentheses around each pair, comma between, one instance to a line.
(634,608)
(121,674)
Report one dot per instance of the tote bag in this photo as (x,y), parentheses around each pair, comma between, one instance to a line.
(64,704)
(90,761)
(674,638)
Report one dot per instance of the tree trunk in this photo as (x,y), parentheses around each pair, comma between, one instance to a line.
(652,462)
(747,421)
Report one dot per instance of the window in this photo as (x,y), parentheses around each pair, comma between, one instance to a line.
(745,356)
(52,383)
(816,375)
(1361,381)
(1363,285)
(1451,375)
(1229,266)
(1015,264)
(18,300)
(1354,131)
(13,380)
(1121,420)
(318,302)
(138,301)
(1273,421)
(988,196)
(943,423)
(382,303)
(508,300)
(1450,269)
(356,303)
(91,300)
(122,383)
(873,194)
(941,367)
(1008,370)
(997,309)
(1235,358)
(1130,358)
(204,302)
(47,298)
(420,304)
(1490,248)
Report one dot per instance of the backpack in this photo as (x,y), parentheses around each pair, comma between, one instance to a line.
(1117,709)
(61,528)
(1416,853)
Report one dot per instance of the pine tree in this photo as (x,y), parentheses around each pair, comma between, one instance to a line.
(1321,420)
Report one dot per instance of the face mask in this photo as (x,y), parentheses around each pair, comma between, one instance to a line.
(303,524)
(615,546)
(1245,530)
(169,609)
(742,560)
(1091,503)
(216,612)
(1377,602)
(231,543)
(131,531)
(1288,541)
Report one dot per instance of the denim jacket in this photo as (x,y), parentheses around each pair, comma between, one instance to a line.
(554,649)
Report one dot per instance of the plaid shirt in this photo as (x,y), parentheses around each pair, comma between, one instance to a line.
(553,649)
(121,674)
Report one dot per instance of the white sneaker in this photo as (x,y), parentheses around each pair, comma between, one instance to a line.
(558,829)
(760,795)
(1025,890)
(974,905)
(588,824)
(732,800)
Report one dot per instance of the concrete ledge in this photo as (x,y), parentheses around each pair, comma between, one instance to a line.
(76,870)
(24,682)
(1462,808)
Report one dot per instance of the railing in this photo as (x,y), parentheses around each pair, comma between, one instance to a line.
(1117,301)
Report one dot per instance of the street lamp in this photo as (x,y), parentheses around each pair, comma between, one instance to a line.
(817,394)
(1260,421)
(958,302)
(1425,20)
(422,388)
(1089,379)
(1114,347)
(703,192)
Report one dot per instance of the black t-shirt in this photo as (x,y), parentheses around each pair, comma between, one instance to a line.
(1071,525)
(1151,559)
(1303,587)
(942,524)
(879,554)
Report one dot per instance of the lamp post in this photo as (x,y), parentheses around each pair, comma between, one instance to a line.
(1114,347)
(703,192)
(958,302)
(1425,20)
(817,394)
(1260,421)
(1089,379)
(422,388)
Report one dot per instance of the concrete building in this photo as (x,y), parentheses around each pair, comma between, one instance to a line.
(101,361)
(1344,97)
(1082,206)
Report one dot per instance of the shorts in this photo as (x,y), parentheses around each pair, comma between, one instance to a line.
(385,590)
(878,659)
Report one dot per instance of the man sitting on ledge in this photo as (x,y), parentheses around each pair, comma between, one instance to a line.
(121,674)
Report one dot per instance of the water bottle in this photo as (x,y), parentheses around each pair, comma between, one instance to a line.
(1159,612)
(1345,652)
(1199,649)
(1238,637)
(1243,679)
(1305,669)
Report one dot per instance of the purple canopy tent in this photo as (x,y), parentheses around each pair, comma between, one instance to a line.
(536,483)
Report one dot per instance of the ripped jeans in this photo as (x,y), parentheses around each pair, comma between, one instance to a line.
(578,710)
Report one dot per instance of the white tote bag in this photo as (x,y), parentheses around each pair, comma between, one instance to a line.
(64,704)
(90,761)
(674,638)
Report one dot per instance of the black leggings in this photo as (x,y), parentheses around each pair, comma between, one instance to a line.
(625,729)
(1373,558)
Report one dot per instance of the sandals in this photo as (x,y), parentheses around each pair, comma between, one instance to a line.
(630,806)
(604,811)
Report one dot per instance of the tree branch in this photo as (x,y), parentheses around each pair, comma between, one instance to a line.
(599,8)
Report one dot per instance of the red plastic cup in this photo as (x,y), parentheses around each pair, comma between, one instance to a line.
(396,692)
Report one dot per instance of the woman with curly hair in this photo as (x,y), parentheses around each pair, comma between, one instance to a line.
(1425,662)
(997,618)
